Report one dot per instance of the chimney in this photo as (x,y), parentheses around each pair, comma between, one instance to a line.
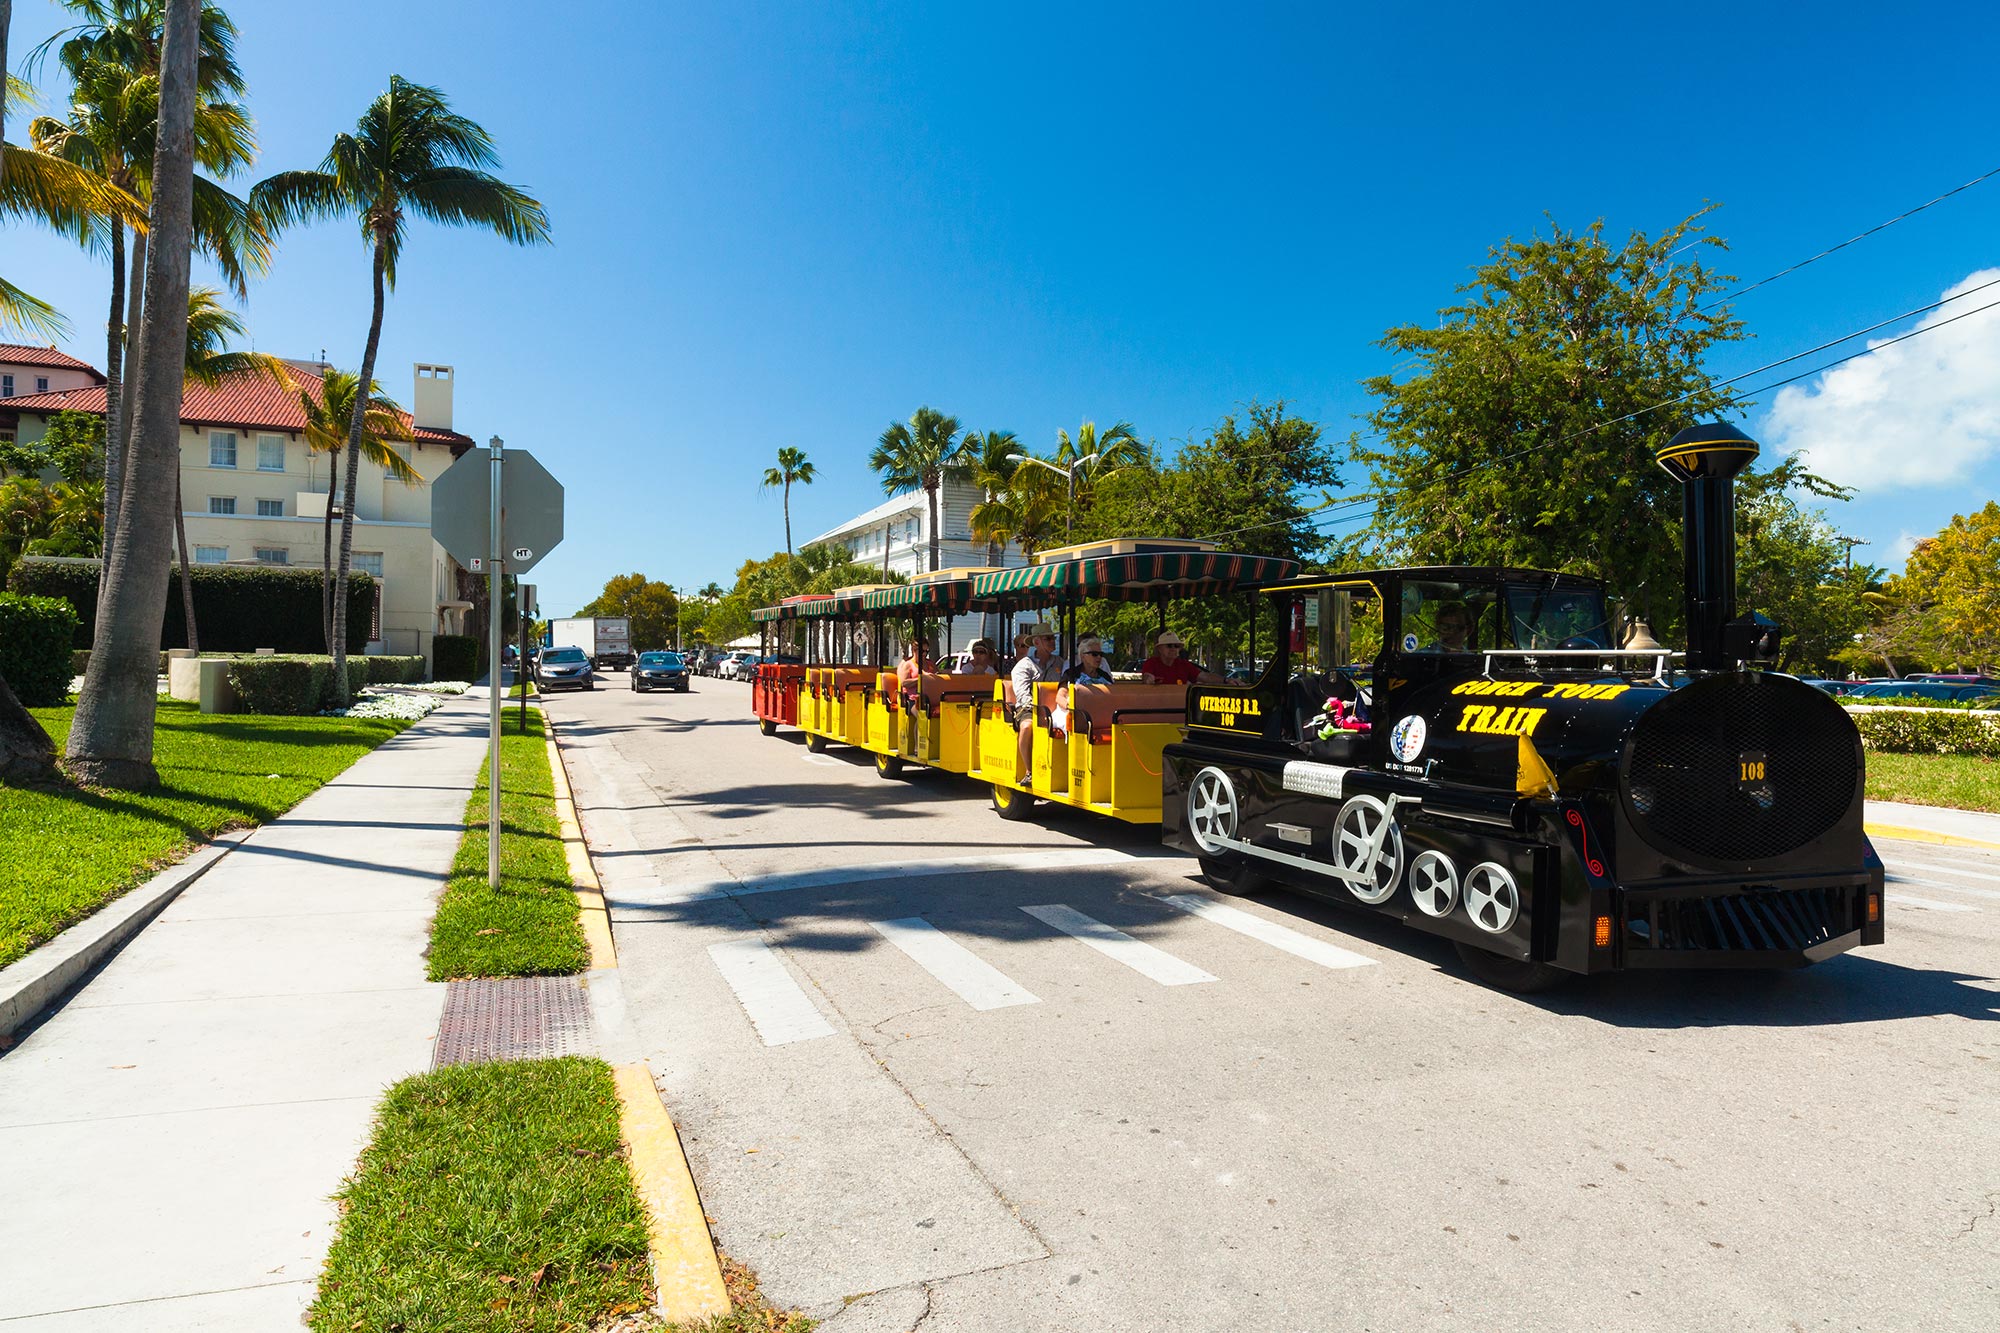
(432,404)
(1706,461)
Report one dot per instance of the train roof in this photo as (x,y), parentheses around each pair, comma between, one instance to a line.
(1437,574)
(1131,571)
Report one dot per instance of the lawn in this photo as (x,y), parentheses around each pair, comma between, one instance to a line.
(491,1197)
(529,926)
(1965,781)
(65,853)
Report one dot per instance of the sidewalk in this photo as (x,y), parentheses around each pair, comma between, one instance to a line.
(1891,819)
(169,1139)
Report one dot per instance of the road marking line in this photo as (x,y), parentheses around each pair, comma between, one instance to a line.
(779,1010)
(1061,858)
(963,972)
(1267,932)
(1965,889)
(1149,962)
(1906,834)
(684,1261)
(1904,900)
(1951,868)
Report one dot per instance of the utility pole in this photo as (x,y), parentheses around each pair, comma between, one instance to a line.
(1850,543)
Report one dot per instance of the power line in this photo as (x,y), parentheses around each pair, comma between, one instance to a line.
(1859,236)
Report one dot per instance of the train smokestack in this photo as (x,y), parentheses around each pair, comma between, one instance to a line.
(1706,461)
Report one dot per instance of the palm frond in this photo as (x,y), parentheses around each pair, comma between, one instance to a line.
(460,197)
(30,314)
(60,194)
(231,233)
(292,198)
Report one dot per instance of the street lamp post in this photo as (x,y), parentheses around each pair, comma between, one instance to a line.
(1068,474)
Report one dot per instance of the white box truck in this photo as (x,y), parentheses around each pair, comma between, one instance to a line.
(605,640)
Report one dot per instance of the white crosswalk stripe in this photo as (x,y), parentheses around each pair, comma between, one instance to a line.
(1149,962)
(779,1010)
(961,971)
(1267,932)
(1938,884)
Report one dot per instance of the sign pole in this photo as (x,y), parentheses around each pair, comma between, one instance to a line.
(496,670)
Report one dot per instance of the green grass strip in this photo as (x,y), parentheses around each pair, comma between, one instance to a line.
(1963,781)
(491,1197)
(65,852)
(528,927)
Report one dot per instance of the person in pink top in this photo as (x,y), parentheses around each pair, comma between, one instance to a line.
(1167,667)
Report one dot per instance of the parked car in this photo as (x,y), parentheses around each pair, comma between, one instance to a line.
(1953,678)
(1919,692)
(564,669)
(660,671)
(737,666)
(1834,687)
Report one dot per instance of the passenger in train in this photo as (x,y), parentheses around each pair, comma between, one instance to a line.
(978,660)
(912,666)
(1037,665)
(1167,667)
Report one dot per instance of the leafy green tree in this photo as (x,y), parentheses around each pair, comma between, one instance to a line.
(922,455)
(1954,579)
(1789,566)
(71,446)
(329,415)
(652,608)
(1525,435)
(993,467)
(410,153)
(793,466)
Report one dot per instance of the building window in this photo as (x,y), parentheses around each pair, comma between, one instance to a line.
(6,386)
(41,384)
(221,504)
(369,563)
(210,555)
(270,453)
(270,509)
(222,448)
(275,555)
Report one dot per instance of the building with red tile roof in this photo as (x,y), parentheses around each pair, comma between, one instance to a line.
(27,369)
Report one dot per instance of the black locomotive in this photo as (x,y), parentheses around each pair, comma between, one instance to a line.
(1504,776)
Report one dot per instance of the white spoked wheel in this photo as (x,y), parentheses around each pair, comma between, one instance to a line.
(1492,899)
(1359,821)
(1434,883)
(1211,809)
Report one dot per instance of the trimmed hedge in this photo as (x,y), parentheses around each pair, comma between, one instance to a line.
(1929,731)
(394,670)
(34,647)
(457,657)
(237,609)
(290,686)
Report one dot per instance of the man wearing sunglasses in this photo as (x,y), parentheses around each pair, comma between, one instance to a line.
(978,661)
(1037,666)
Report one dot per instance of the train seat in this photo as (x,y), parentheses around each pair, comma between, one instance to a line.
(1305,699)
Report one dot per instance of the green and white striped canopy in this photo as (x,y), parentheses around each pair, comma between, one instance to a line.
(792,608)
(1147,576)
(942,596)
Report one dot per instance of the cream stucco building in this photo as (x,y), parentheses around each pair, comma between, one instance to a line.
(254,492)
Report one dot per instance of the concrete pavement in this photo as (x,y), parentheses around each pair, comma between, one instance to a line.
(170,1138)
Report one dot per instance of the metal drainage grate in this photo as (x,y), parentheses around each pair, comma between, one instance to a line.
(517,1018)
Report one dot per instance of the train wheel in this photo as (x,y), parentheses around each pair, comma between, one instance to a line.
(888,766)
(1359,825)
(815,744)
(1009,803)
(1237,876)
(1510,974)
(767,726)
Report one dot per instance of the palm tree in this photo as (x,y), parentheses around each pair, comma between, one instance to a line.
(711,592)
(925,453)
(210,326)
(328,414)
(792,466)
(410,153)
(992,471)
(1114,448)
(113,60)
(111,738)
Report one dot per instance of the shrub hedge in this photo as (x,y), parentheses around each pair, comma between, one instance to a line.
(291,685)
(34,647)
(237,609)
(457,657)
(394,670)
(1929,731)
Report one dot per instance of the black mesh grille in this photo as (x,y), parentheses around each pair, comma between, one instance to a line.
(1741,768)
(1763,919)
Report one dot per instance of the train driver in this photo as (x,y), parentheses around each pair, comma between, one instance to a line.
(1454,630)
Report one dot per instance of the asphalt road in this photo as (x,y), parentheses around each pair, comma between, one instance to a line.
(933,1068)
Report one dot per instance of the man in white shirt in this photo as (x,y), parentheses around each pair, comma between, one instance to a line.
(1040,664)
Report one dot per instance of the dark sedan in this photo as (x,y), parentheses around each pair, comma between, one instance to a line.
(660,671)
(564,669)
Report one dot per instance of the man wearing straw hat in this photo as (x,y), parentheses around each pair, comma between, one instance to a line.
(1167,667)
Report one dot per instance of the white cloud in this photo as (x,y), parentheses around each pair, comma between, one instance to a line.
(1899,550)
(1924,412)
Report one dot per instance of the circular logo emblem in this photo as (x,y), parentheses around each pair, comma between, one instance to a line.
(1406,742)
(1409,643)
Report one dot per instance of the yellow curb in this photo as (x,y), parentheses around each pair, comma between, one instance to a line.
(684,1263)
(596,920)
(1925,835)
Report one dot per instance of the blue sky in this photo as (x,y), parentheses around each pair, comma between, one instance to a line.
(793,224)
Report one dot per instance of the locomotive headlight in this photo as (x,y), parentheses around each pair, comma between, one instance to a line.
(1642,799)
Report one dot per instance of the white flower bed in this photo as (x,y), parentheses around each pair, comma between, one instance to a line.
(445,686)
(405,707)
